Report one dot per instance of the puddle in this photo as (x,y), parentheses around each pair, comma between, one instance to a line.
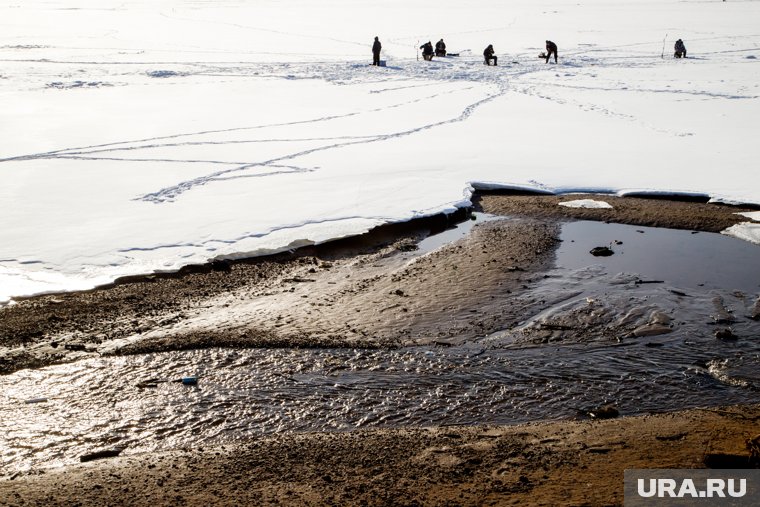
(599,338)
(683,258)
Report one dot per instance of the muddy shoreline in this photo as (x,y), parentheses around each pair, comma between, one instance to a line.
(649,212)
(369,291)
(378,291)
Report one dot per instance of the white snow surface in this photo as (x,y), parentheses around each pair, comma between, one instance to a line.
(141,136)
(748,231)
(586,203)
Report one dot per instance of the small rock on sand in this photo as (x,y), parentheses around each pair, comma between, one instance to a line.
(601,251)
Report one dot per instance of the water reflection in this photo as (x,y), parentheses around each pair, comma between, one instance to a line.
(682,258)
(96,404)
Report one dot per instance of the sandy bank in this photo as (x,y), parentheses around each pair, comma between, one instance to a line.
(673,214)
(373,291)
(376,292)
(554,463)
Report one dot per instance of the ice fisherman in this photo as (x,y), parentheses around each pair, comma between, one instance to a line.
(680,49)
(440,48)
(376,47)
(551,48)
(488,54)
(427,51)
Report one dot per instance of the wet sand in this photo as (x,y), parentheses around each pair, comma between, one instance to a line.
(378,291)
(371,291)
(349,294)
(553,463)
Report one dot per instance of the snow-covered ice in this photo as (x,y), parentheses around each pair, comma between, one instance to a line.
(141,136)
(748,231)
(586,203)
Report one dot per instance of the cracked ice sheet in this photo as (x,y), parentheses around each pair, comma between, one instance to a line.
(340,146)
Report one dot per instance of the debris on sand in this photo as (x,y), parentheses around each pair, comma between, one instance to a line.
(106,453)
(604,412)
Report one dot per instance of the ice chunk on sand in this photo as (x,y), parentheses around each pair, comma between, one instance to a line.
(586,203)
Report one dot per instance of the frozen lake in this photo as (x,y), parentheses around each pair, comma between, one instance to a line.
(141,137)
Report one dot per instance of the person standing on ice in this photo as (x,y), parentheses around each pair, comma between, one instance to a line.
(427,51)
(376,47)
(680,49)
(440,48)
(551,48)
(488,54)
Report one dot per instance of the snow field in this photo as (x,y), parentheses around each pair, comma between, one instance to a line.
(141,137)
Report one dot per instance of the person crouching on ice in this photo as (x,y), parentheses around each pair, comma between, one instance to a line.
(680,49)
(488,54)
(440,48)
(427,51)
(551,48)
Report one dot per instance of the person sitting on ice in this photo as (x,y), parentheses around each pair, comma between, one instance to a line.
(440,48)
(551,48)
(680,49)
(488,54)
(427,51)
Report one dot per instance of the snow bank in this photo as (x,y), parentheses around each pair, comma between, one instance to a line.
(748,231)
(143,136)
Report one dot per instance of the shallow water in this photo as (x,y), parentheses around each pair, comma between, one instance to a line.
(684,258)
(454,233)
(498,379)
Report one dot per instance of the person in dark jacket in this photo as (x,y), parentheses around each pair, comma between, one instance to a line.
(680,49)
(488,54)
(427,51)
(551,48)
(440,48)
(376,47)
